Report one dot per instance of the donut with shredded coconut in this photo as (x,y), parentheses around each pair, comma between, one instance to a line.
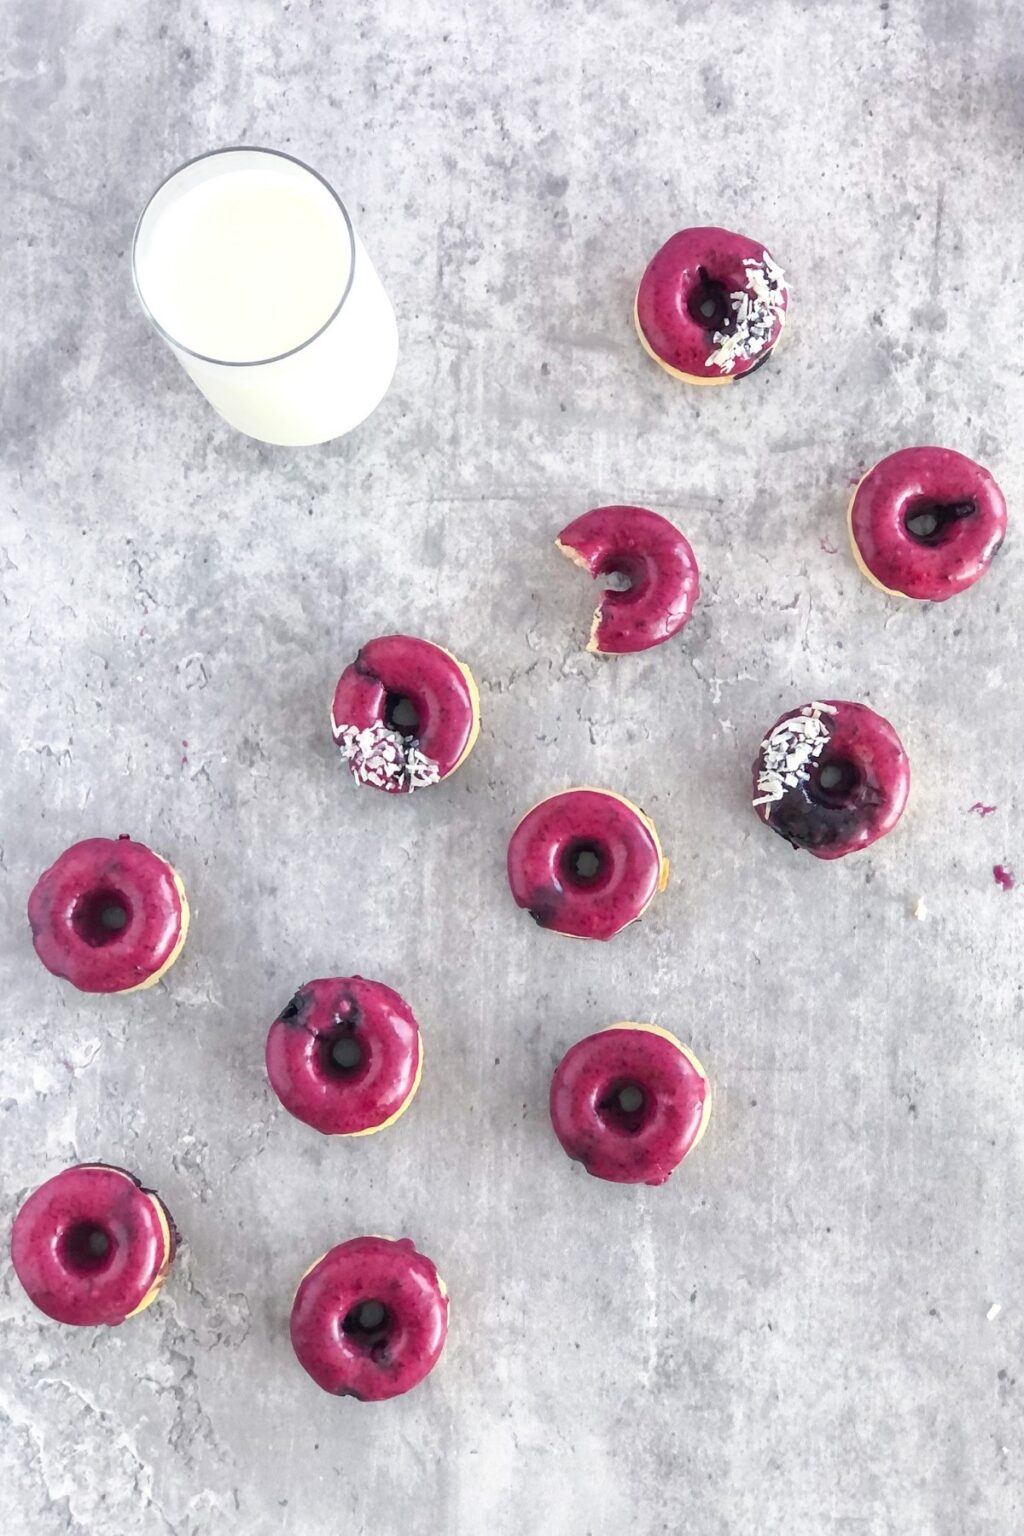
(831,777)
(711,306)
(406,714)
(926,523)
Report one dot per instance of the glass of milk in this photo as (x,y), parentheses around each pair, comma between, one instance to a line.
(248,265)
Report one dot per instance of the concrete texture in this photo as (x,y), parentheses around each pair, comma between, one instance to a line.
(792,1335)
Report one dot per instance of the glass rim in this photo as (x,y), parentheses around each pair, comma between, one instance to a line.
(255,362)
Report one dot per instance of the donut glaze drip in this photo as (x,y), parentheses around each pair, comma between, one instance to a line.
(109,916)
(926,523)
(659,563)
(629,1103)
(370,1319)
(585,863)
(92,1246)
(831,777)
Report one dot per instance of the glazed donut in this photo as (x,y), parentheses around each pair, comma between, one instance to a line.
(711,306)
(586,863)
(370,1319)
(345,1056)
(660,567)
(406,714)
(92,1246)
(831,777)
(629,1103)
(926,523)
(109,916)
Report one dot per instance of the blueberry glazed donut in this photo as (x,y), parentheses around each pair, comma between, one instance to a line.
(109,916)
(370,1319)
(345,1056)
(926,523)
(92,1246)
(658,563)
(831,777)
(629,1103)
(586,863)
(406,714)
(711,306)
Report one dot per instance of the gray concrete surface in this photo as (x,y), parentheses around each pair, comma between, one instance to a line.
(791,1336)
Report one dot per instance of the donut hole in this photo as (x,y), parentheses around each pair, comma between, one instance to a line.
(585,864)
(623,1106)
(931,522)
(342,1055)
(836,782)
(100,916)
(616,581)
(401,714)
(367,1325)
(709,304)
(86,1247)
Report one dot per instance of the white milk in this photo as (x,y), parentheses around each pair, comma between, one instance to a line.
(250,268)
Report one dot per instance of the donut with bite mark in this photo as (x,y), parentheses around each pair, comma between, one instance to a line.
(658,564)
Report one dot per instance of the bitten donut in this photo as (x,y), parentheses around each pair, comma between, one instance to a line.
(629,1103)
(926,523)
(656,560)
(109,916)
(406,714)
(345,1056)
(831,777)
(370,1319)
(92,1246)
(586,863)
(711,306)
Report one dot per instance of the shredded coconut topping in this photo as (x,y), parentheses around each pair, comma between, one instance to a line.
(757,310)
(789,752)
(384,758)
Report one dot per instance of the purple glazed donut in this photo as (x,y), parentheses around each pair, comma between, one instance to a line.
(926,523)
(345,1056)
(711,306)
(370,1319)
(831,777)
(109,916)
(92,1246)
(586,863)
(629,1103)
(660,567)
(406,714)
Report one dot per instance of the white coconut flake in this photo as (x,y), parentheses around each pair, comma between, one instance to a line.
(920,909)
(385,758)
(757,311)
(993,1312)
(789,752)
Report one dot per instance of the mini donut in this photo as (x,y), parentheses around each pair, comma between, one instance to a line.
(586,863)
(831,777)
(926,523)
(92,1246)
(406,714)
(629,1103)
(711,306)
(660,567)
(345,1056)
(370,1319)
(109,916)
